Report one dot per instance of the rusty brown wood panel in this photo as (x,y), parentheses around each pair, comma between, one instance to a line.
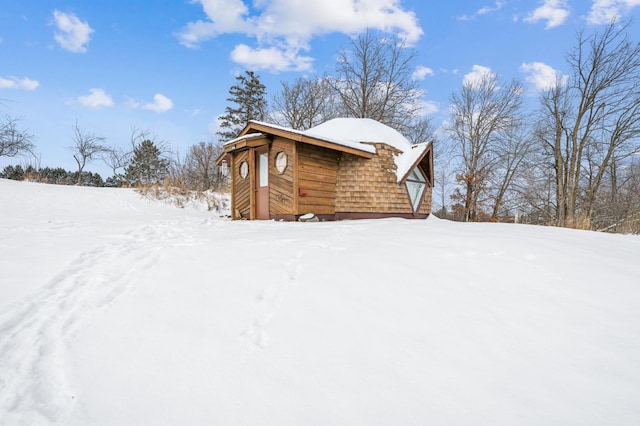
(320,193)
(315,185)
(281,202)
(311,177)
(242,186)
(328,161)
(314,169)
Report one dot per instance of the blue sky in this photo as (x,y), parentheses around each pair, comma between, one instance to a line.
(166,66)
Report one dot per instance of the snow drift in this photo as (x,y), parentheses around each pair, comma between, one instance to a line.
(115,309)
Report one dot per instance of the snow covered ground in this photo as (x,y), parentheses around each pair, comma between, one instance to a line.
(118,310)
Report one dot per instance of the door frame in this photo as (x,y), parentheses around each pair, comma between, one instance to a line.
(261,192)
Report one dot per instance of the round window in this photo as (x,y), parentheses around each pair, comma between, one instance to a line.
(244,170)
(281,161)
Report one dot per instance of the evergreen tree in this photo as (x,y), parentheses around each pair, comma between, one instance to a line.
(147,166)
(12,172)
(248,95)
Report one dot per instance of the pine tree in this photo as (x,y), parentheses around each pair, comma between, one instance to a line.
(248,95)
(12,172)
(147,166)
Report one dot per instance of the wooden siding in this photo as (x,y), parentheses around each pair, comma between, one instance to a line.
(371,185)
(425,207)
(325,182)
(317,177)
(281,199)
(241,187)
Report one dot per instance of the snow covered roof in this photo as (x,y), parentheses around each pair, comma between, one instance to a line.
(408,159)
(358,134)
(358,130)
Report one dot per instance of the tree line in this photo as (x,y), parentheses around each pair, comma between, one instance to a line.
(148,161)
(569,160)
(573,161)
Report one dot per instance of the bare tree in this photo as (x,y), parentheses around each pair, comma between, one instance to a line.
(593,120)
(86,147)
(374,80)
(138,136)
(514,146)
(420,130)
(482,110)
(14,141)
(305,103)
(443,156)
(116,158)
(200,164)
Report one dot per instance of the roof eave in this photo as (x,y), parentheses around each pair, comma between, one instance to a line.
(299,137)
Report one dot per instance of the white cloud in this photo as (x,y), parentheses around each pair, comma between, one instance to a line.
(478,72)
(95,99)
(422,72)
(273,59)
(160,104)
(488,9)
(604,11)
(542,76)
(428,108)
(284,28)
(554,12)
(499,4)
(72,34)
(17,83)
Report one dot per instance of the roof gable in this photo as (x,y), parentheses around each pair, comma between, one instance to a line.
(408,161)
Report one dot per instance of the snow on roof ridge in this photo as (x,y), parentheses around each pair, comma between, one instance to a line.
(336,140)
(360,130)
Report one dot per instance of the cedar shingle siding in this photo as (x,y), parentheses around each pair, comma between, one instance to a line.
(370,185)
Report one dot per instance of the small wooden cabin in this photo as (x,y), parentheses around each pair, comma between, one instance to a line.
(345,168)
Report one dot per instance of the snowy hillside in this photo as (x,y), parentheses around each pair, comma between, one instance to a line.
(117,310)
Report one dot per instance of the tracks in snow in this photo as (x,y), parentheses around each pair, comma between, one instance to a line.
(272,296)
(35,334)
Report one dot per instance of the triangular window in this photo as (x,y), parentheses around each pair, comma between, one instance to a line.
(416,184)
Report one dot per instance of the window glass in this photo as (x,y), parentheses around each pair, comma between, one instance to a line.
(416,175)
(264,170)
(244,170)
(416,184)
(416,190)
